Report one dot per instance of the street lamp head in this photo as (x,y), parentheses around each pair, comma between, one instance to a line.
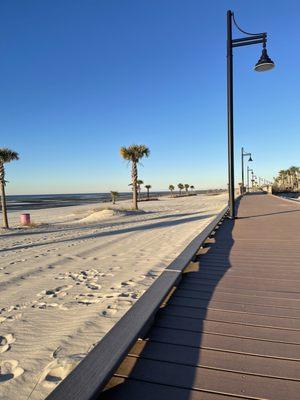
(250,159)
(264,63)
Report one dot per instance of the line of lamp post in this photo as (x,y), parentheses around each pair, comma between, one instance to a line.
(263,64)
(254,179)
(245,154)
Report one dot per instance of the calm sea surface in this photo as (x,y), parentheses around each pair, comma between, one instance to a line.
(36,201)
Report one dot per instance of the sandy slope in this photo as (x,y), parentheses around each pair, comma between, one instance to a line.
(65,284)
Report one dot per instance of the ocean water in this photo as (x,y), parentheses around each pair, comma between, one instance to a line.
(39,201)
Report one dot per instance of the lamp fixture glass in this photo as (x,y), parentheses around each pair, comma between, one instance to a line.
(264,63)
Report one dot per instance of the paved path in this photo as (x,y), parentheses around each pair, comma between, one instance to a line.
(231,330)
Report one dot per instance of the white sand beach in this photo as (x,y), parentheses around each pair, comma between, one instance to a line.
(65,282)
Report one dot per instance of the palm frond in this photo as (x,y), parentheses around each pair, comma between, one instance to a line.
(7,155)
(134,152)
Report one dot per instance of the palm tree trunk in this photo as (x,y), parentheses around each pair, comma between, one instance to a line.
(3,204)
(148,193)
(134,177)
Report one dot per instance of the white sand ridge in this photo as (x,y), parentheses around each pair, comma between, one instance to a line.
(106,213)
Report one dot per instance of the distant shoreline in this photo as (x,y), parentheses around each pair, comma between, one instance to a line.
(44,201)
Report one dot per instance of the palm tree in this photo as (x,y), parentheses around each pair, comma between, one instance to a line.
(282,176)
(180,187)
(6,156)
(294,175)
(192,187)
(114,196)
(186,185)
(139,183)
(133,154)
(287,180)
(171,188)
(148,187)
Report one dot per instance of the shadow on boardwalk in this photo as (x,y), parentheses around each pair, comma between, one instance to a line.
(166,363)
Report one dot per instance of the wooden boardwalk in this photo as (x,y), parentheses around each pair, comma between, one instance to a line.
(231,330)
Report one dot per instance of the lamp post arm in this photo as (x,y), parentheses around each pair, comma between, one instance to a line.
(246,39)
(252,38)
(249,42)
(241,30)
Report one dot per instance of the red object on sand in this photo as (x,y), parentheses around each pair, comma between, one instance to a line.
(25,219)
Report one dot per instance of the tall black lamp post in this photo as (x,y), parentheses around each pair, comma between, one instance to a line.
(244,154)
(263,64)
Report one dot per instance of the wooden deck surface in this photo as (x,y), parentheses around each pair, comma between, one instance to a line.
(231,330)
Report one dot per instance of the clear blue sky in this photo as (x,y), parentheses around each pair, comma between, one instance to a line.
(80,78)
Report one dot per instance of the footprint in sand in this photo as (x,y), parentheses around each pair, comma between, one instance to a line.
(93,286)
(90,298)
(103,275)
(43,306)
(112,295)
(114,268)
(11,318)
(128,283)
(137,295)
(57,292)
(58,369)
(89,278)
(6,341)
(111,309)
(16,307)
(9,369)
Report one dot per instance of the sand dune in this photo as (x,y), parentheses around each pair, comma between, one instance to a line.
(66,282)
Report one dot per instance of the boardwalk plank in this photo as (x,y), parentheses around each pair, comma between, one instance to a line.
(235,344)
(253,283)
(284,369)
(243,307)
(207,379)
(231,330)
(128,389)
(205,287)
(219,328)
(238,317)
(239,298)
(213,273)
